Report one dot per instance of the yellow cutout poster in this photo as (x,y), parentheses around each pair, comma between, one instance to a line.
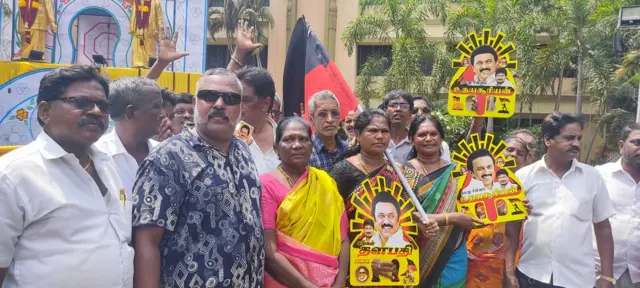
(483,85)
(383,230)
(487,189)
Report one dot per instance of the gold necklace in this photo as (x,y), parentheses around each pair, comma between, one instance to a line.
(424,169)
(286,176)
(362,164)
(88,164)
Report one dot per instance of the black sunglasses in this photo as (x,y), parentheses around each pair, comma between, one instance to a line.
(275,113)
(86,104)
(212,96)
(424,110)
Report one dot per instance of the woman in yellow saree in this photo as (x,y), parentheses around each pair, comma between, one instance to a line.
(305,223)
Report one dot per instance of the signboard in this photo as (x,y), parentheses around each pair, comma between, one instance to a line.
(483,85)
(383,230)
(487,189)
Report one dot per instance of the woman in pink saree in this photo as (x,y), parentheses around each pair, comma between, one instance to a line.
(305,223)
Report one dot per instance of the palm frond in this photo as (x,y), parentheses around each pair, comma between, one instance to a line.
(368,26)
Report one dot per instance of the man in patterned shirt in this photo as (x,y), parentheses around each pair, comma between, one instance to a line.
(197,219)
(324,113)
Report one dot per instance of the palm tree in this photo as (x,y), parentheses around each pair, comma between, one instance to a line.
(399,23)
(252,11)
(517,19)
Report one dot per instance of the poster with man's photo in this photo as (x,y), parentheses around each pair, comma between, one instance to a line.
(483,85)
(487,189)
(384,234)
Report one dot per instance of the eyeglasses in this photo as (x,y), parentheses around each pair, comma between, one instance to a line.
(86,104)
(212,96)
(424,110)
(275,113)
(325,114)
(399,105)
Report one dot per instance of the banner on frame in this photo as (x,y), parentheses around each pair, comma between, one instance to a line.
(483,85)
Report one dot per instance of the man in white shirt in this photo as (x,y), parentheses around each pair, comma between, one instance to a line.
(569,201)
(503,180)
(622,178)
(63,210)
(259,93)
(136,108)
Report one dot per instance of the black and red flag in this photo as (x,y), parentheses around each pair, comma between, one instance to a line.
(309,69)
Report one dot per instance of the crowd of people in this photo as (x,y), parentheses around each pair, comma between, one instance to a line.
(171,198)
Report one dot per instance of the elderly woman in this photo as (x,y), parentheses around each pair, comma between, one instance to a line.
(306,242)
(365,161)
(443,260)
(486,245)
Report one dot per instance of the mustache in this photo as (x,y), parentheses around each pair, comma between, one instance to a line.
(91,120)
(484,175)
(217,113)
(573,149)
(385,225)
(485,69)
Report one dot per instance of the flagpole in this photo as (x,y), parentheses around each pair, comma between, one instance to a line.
(403,180)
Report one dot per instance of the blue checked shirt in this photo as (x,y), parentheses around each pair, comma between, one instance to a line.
(321,158)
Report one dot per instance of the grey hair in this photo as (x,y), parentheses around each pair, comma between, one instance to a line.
(127,91)
(322,95)
(218,72)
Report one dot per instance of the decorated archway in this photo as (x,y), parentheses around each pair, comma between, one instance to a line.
(66,48)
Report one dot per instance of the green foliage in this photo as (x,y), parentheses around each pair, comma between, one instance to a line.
(455,128)
(252,11)
(399,23)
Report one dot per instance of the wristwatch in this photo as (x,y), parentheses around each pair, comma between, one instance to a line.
(612,280)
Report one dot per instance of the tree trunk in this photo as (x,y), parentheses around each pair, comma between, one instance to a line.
(579,92)
(558,92)
(520,113)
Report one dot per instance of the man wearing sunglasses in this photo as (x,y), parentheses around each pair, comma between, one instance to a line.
(197,200)
(62,209)
(136,106)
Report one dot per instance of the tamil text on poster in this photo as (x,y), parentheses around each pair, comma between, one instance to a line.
(483,84)
(383,231)
(487,189)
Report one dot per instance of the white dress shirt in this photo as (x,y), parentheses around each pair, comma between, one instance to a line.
(625,225)
(557,236)
(395,241)
(126,165)
(265,161)
(57,228)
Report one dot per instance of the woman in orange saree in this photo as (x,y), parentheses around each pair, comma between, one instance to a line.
(485,246)
(304,218)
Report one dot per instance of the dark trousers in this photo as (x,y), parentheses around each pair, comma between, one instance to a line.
(526,282)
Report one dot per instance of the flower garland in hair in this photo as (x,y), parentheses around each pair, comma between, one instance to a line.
(28,12)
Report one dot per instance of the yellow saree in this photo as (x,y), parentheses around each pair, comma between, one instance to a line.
(308,223)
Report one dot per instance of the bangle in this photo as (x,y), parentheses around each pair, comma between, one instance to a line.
(609,279)
(237,62)
(446,219)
